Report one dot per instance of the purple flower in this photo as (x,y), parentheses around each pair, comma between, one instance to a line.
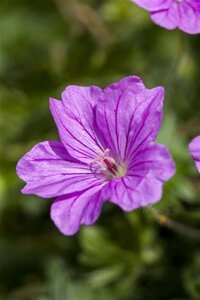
(194,148)
(107,153)
(171,14)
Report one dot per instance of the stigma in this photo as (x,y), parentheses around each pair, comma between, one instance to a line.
(107,166)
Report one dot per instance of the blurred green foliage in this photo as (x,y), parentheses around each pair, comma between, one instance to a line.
(46,45)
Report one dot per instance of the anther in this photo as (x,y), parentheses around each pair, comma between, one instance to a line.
(110,165)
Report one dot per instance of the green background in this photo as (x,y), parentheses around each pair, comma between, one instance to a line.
(46,45)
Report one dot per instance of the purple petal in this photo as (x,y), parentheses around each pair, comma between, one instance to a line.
(49,171)
(168,18)
(74,117)
(152,5)
(131,192)
(194,148)
(171,14)
(155,159)
(77,98)
(129,116)
(190,17)
(130,83)
(69,212)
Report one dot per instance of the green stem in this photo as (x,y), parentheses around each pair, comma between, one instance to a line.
(180,228)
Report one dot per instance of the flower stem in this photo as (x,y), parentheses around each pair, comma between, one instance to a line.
(180,228)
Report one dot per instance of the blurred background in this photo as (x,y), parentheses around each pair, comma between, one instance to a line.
(44,46)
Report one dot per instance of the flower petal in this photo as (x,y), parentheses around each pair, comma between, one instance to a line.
(168,18)
(77,98)
(131,192)
(133,84)
(171,14)
(155,159)
(69,212)
(152,5)
(190,17)
(49,171)
(129,116)
(194,148)
(74,117)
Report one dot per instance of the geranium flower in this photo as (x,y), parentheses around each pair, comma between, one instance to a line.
(107,153)
(171,14)
(194,148)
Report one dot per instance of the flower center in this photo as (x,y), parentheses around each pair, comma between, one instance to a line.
(107,166)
